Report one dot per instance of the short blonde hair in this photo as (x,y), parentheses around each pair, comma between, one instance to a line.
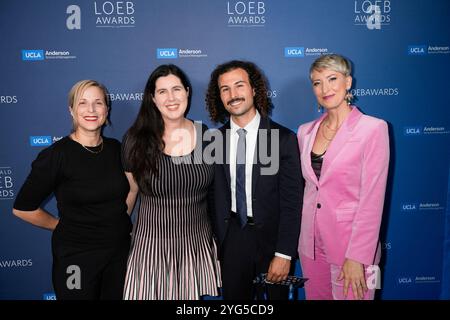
(77,91)
(78,88)
(333,62)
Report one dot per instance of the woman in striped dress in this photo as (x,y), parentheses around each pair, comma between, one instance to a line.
(173,254)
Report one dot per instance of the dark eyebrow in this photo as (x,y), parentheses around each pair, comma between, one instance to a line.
(237,82)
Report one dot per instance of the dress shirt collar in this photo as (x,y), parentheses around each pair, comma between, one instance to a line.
(252,126)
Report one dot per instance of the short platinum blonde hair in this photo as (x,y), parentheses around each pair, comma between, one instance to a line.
(333,62)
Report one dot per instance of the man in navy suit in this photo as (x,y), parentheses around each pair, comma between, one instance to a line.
(258,188)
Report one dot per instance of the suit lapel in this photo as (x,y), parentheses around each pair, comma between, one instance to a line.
(308,142)
(226,151)
(264,124)
(336,146)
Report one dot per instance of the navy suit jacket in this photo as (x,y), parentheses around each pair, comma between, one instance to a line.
(276,199)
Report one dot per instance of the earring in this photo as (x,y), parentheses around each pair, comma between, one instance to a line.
(319,108)
(348,97)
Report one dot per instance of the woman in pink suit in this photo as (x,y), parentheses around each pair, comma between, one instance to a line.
(344,159)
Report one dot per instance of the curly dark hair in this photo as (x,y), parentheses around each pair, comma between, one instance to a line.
(258,82)
(143,143)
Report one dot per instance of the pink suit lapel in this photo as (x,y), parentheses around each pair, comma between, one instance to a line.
(309,139)
(336,146)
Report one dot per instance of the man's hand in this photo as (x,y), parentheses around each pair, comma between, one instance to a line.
(278,269)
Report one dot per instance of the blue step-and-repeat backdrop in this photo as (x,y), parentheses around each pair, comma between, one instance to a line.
(401,55)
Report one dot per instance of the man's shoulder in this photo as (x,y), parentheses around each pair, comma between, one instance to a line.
(225,126)
(282,129)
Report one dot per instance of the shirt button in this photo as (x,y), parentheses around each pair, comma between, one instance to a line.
(319,205)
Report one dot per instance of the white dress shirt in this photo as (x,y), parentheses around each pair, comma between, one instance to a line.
(250,141)
(250,145)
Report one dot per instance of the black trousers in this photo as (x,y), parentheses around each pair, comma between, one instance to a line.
(242,259)
(89,273)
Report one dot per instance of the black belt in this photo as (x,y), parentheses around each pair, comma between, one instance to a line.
(250,220)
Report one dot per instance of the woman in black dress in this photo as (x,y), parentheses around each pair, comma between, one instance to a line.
(91,238)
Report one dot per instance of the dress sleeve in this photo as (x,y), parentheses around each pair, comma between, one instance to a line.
(41,181)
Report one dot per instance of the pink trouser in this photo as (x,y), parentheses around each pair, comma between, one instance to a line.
(323,283)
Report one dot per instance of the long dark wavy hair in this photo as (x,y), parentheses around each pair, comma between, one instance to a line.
(258,82)
(143,142)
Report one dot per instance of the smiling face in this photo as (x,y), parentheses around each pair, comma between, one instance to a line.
(170,97)
(237,93)
(89,110)
(330,87)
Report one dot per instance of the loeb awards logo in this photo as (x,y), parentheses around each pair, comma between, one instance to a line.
(6,183)
(246,13)
(118,14)
(17,263)
(372,14)
(8,99)
(108,14)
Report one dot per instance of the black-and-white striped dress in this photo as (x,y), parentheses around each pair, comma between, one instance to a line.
(173,254)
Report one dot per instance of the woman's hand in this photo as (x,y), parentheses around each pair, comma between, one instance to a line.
(38,217)
(353,275)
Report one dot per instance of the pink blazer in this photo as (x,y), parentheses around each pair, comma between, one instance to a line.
(347,201)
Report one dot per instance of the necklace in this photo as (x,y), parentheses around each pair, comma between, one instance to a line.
(94,152)
(332,130)
(326,125)
(325,137)
(87,147)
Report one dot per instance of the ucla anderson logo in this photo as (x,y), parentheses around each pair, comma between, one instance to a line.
(408,207)
(39,141)
(49,296)
(417,50)
(412,131)
(33,55)
(166,53)
(294,52)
